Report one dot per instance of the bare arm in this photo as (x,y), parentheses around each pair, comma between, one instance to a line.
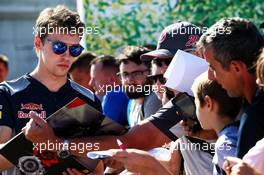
(133,158)
(143,136)
(5,164)
(5,134)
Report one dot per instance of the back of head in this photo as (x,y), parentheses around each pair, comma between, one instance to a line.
(227,106)
(133,53)
(83,62)
(233,39)
(108,63)
(58,20)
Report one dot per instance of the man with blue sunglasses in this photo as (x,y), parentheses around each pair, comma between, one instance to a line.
(46,89)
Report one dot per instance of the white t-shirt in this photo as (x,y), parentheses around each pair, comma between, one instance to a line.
(255,156)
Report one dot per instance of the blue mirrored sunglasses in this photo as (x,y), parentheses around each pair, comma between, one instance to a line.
(60,47)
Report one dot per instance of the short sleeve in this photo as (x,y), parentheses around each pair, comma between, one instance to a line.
(166,118)
(6,118)
(114,106)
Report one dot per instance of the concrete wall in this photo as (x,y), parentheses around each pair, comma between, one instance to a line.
(17,18)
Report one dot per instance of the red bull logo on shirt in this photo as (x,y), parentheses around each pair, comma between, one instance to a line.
(21,114)
(31,106)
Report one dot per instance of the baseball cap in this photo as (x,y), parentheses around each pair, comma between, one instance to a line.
(181,35)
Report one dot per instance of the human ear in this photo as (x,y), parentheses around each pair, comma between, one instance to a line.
(37,43)
(208,102)
(237,66)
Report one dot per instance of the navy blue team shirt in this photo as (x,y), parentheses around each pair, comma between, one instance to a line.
(25,94)
(251,127)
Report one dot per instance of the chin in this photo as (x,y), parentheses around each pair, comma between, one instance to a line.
(233,94)
(61,74)
(159,95)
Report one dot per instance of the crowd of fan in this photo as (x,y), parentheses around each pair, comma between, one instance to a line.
(227,130)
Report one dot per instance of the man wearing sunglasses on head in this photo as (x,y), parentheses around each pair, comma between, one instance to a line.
(46,89)
(181,35)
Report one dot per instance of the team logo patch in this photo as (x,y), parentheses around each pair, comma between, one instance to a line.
(27,107)
(192,40)
(31,106)
(21,114)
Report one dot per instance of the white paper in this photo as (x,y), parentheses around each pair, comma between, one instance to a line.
(99,154)
(160,153)
(183,70)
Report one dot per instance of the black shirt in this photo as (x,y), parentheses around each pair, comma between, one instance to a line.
(25,94)
(251,127)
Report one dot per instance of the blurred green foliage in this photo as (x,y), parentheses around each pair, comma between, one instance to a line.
(139,22)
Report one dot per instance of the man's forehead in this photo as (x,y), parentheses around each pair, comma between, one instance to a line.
(129,67)
(69,39)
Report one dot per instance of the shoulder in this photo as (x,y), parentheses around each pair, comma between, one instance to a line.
(116,96)
(14,86)
(82,90)
(87,94)
(226,144)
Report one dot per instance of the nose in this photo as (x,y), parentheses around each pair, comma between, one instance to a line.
(164,68)
(128,80)
(67,56)
(211,74)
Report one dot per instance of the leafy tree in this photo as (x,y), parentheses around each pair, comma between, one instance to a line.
(139,22)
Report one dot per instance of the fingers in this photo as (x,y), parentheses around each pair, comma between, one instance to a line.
(121,154)
(229,163)
(37,130)
(233,160)
(72,172)
(38,120)
(226,167)
(185,125)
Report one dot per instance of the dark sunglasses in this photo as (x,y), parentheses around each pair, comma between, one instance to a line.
(160,61)
(60,47)
(155,78)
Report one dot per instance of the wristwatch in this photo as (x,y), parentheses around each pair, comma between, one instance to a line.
(64,152)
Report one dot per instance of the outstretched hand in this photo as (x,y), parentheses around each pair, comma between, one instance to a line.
(236,166)
(138,161)
(37,129)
